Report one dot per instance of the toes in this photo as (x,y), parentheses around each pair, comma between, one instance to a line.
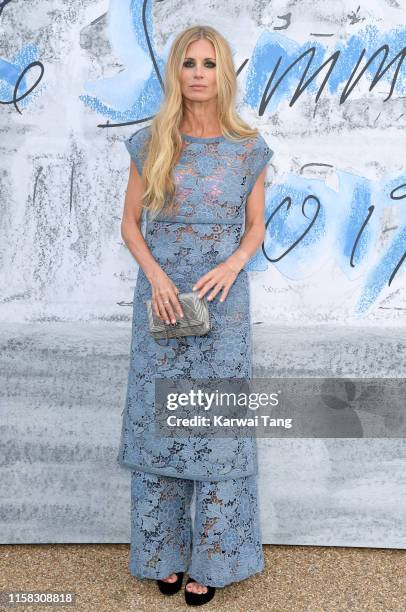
(199,589)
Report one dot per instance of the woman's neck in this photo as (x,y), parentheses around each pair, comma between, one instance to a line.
(198,122)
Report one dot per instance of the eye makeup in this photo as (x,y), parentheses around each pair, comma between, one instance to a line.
(189,63)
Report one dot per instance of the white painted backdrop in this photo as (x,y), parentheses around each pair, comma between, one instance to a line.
(328,289)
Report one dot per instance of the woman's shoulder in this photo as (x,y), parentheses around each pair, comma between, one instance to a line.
(140,135)
(252,148)
(255,141)
(259,155)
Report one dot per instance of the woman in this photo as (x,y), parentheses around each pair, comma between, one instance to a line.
(197,172)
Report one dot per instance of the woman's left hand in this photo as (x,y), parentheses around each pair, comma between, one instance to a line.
(220,277)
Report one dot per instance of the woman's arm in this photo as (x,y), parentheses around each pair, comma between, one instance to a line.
(131,224)
(162,287)
(223,275)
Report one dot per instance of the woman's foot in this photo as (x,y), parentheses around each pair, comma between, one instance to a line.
(196,587)
(171,578)
(171,584)
(197,594)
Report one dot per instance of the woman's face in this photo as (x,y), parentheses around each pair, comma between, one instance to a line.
(199,68)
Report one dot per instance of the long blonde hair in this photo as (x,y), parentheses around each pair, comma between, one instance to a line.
(165,141)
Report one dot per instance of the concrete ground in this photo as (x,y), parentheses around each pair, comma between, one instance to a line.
(295,579)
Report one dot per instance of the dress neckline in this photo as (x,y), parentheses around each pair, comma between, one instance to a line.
(200,139)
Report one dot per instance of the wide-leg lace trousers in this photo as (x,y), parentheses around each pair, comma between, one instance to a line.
(221,545)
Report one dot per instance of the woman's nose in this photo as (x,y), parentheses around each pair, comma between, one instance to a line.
(198,70)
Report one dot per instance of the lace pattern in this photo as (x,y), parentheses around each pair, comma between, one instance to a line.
(225,543)
(213,177)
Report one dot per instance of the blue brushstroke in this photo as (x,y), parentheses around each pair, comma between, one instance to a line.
(269,48)
(290,223)
(350,51)
(272,46)
(334,232)
(378,277)
(354,214)
(396,41)
(10,70)
(135,92)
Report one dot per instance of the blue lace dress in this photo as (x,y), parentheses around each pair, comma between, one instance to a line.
(213,177)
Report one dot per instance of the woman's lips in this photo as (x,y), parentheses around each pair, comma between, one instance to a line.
(198,86)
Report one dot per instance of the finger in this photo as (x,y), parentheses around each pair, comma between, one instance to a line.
(160,300)
(176,302)
(202,280)
(173,305)
(160,310)
(215,291)
(217,287)
(164,300)
(208,285)
(224,294)
(155,308)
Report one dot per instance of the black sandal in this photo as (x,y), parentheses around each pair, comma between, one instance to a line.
(170,588)
(197,599)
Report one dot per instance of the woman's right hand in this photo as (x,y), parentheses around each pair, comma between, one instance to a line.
(164,297)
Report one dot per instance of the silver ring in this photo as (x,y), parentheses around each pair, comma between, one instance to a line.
(167,302)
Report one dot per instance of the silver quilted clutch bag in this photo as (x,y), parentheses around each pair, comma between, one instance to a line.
(196,321)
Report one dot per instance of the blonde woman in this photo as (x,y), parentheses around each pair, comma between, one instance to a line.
(197,178)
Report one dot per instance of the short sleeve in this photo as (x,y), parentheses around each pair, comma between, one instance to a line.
(259,156)
(136,146)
